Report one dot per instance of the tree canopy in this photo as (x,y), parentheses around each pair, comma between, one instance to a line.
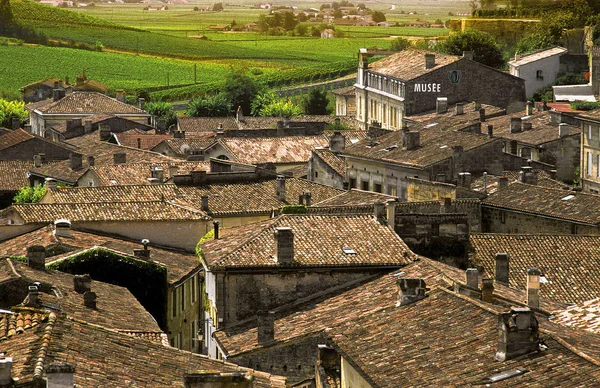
(217,105)
(378,16)
(10,110)
(241,89)
(482,44)
(316,102)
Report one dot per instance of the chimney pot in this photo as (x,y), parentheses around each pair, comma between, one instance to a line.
(502,268)
(527,175)
(50,183)
(62,228)
(307,198)
(391,212)
(490,129)
(533,287)
(82,283)
(441,105)
(464,179)
(16,123)
(280,188)
(284,245)
(120,157)
(410,291)
(91,161)
(529,108)
(487,290)
(563,130)
(75,161)
(266,327)
(515,124)
(472,275)
(204,203)
(518,334)
(337,142)
(6,364)
(89,299)
(429,61)
(482,115)
(411,140)
(476,105)
(502,182)
(459,108)
(379,211)
(142,103)
(239,114)
(216,225)
(33,295)
(36,257)
(60,375)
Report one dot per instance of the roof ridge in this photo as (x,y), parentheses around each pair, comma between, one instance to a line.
(43,351)
(570,347)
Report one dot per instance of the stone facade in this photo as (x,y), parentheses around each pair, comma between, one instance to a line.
(184,301)
(512,222)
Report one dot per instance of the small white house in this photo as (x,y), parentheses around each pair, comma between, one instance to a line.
(538,69)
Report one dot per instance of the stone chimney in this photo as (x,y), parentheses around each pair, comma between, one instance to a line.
(441,105)
(280,129)
(173,169)
(518,334)
(379,212)
(482,115)
(179,135)
(239,114)
(75,161)
(529,108)
(36,257)
(468,55)
(87,126)
(515,124)
(120,95)
(490,129)
(429,61)
(391,212)
(502,260)
(6,364)
(464,179)
(476,105)
(411,140)
(533,287)
(120,158)
(502,182)
(15,123)
(204,203)
(306,198)
(57,94)
(89,299)
(141,103)
(265,327)
(527,126)
(37,161)
(143,253)
(337,142)
(527,175)
(104,132)
(50,183)
(410,291)
(563,130)
(459,108)
(60,375)
(216,225)
(280,188)
(212,379)
(284,245)
(33,295)
(555,117)
(472,275)
(82,283)
(487,290)
(91,161)
(157,173)
(62,228)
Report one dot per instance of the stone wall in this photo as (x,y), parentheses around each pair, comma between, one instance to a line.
(26,150)
(508,31)
(505,221)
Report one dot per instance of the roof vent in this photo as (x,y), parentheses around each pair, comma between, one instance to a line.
(62,228)
(348,251)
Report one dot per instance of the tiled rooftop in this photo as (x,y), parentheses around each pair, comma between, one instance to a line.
(536,56)
(105,358)
(318,242)
(195,144)
(491,183)
(435,146)
(542,130)
(139,173)
(145,142)
(104,211)
(291,149)
(206,124)
(89,103)
(470,114)
(14,174)
(13,138)
(116,308)
(555,203)
(409,64)
(570,263)
(584,316)
(332,160)
(355,197)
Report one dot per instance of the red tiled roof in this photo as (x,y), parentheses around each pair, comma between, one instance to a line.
(90,103)
(409,64)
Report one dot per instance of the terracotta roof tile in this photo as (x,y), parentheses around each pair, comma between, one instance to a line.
(355,197)
(140,173)
(205,124)
(145,141)
(491,183)
(13,138)
(409,64)
(291,149)
(89,103)
(14,174)
(572,206)
(570,263)
(337,163)
(584,316)
(470,115)
(318,241)
(191,144)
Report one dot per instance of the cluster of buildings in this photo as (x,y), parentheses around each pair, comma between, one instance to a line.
(427,235)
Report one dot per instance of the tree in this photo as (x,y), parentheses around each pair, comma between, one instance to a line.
(400,44)
(6,15)
(260,101)
(217,105)
(217,7)
(241,89)
(483,45)
(301,29)
(162,110)
(316,102)
(281,108)
(378,16)
(10,110)
(338,14)
(535,41)
(289,21)
(30,194)
(361,6)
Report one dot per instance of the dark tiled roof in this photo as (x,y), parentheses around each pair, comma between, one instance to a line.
(106,358)
(120,193)
(491,183)
(591,115)
(116,308)
(105,211)
(318,242)
(90,103)
(14,174)
(13,138)
(355,197)
(435,146)
(206,124)
(139,173)
(556,203)
(470,115)
(571,263)
(542,130)
(350,136)
(194,144)
(292,149)
(409,64)
(146,142)
(337,163)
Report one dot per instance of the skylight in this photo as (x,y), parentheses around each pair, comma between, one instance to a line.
(430,125)
(349,251)
(544,279)
(353,141)
(568,197)
(506,374)
(444,146)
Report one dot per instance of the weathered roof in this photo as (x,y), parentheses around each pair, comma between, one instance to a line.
(13,138)
(584,316)
(491,184)
(105,211)
(450,117)
(183,146)
(590,115)
(145,141)
(435,146)
(106,358)
(89,103)
(346,91)
(318,242)
(206,124)
(410,64)
(291,149)
(536,56)
(139,173)
(570,263)
(543,201)
(116,308)
(355,197)
(14,174)
(542,129)
(336,163)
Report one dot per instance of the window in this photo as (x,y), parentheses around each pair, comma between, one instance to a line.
(193,336)
(182,297)
(589,131)
(502,217)
(316,174)
(590,163)
(435,229)
(377,187)
(392,190)
(365,185)
(352,183)
(174,301)
(539,75)
(194,280)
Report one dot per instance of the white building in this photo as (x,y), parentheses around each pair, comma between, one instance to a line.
(538,69)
